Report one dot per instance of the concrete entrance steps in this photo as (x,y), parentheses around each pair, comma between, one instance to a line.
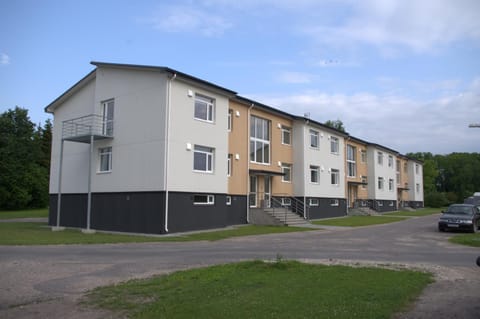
(286,217)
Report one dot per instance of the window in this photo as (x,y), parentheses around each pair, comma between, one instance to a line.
(287,171)
(351,163)
(334,145)
(334,202)
(314,174)
(203,199)
(313,202)
(364,156)
(204,108)
(390,161)
(229,165)
(364,182)
(390,184)
(417,169)
(380,158)
(228,200)
(379,203)
(108,107)
(286,135)
(259,140)
(286,201)
(380,183)
(229,123)
(417,188)
(105,163)
(405,167)
(398,172)
(203,159)
(335,177)
(314,139)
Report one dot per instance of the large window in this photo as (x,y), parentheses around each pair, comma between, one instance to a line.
(259,140)
(417,169)
(204,108)
(314,139)
(335,177)
(287,172)
(203,159)
(351,161)
(390,184)
(286,135)
(380,158)
(417,188)
(334,145)
(105,162)
(314,174)
(390,161)
(203,199)
(108,107)
(380,183)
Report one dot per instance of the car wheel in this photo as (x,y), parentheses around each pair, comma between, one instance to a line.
(478,261)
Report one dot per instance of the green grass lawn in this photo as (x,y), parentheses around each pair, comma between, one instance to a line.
(29,213)
(418,212)
(356,221)
(40,234)
(466,239)
(255,289)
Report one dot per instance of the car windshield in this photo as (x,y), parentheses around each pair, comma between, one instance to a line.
(460,210)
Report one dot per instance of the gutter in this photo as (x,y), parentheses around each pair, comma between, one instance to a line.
(248,162)
(167,144)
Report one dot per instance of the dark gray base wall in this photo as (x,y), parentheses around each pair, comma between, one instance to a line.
(326,208)
(415,204)
(144,212)
(382,206)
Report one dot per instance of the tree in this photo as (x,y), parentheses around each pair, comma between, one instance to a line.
(23,171)
(337,124)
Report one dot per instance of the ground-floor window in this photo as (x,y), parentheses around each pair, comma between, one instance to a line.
(313,202)
(204,199)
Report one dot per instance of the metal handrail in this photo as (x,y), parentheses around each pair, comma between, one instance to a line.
(87,125)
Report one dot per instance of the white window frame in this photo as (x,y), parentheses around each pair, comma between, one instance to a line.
(334,145)
(287,167)
(209,104)
(380,183)
(316,170)
(314,136)
(417,169)
(379,203)
(286,201)
(351,161)
(229,165)
(335,177)
(108,114)
(313,202)
(209,199)
(334,202)
(229,119)
(209,153)
(286,131)
(417,187)
(390,184)
(390,161)
(105,152)
(228,200)
(259,139)
(380,158)
(363,154)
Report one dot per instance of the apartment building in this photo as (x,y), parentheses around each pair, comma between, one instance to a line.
(153,150)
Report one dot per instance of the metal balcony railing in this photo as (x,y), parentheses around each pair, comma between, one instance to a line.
(82,128)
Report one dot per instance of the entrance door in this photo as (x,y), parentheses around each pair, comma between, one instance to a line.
(252,197)
(268,192)
(352,195)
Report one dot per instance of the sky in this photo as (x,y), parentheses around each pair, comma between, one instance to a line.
(404,74)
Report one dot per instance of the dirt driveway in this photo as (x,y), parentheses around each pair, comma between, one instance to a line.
(48,281)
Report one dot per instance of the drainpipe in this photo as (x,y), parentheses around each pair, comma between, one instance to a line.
(59,196)
(89,196)
(248,162)
(167,144)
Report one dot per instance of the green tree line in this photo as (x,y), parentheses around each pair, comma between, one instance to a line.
(24,160)
(449,178)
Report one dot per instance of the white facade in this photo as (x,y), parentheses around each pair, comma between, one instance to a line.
(382,184)
(415,182)
(322,156)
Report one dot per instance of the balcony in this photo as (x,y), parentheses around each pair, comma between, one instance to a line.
(83,129)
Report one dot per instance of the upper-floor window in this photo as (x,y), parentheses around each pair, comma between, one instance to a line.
(390,161)
(105,160)
(287,172)
(203,159)
(417,169)
(335,177)
(229,165)
(334,145)
(380,183)
(230,117)
(286,135)
(364,182)
(417,188)
(259,140)
(108,107)
(351,161)
(204,108)
(405,167)
(390,184)
(314,139)
(314,174)
(364,156)
(380,158)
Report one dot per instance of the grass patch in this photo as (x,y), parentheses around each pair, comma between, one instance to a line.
(41,234)
(255,289)
(29,213)
(356,221)
(472,240)
(418,212)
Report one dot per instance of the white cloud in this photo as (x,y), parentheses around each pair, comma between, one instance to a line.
(404,124)
(4,59)
(190,19)
(295,77)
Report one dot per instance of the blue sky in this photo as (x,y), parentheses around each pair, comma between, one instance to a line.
(404,74)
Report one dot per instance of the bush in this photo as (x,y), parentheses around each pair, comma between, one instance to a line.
(436,200)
